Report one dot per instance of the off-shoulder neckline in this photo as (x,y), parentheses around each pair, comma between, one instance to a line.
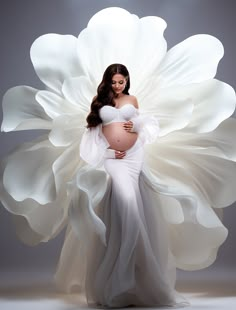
(116,108)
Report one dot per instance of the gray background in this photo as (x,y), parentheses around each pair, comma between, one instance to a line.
(21,22)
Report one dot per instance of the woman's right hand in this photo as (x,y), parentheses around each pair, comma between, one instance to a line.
(120,154)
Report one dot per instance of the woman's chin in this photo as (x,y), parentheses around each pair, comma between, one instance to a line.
(118,94)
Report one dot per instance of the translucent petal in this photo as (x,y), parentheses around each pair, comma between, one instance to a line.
(67,129)
(196,168)
(201,106)
(192,61)
(173,111)
(214,101)
(66,166)
(55,105)
(79,91)
(34,222)
(54,59)
(88,188)
(29,174)
(189,222)
(195,246)
(222,138)
(42,222)
(21,111)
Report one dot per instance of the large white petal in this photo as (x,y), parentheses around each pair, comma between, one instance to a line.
(79,91)
(195,246)
(192,61)
(209,180)
(55,105)
(114,35)
(194,229)
(88,189)
(28,172)
(169,121)
(202,171)
(67,165)
(214,101)
(34,222)
(222,138)
(172,107)
(21,111)
(67,129)
(54,59)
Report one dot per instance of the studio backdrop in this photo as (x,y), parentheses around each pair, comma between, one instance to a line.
(21,22)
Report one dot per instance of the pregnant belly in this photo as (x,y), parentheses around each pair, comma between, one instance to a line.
(118,138)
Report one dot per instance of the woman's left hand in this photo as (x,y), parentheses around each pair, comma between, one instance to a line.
(128,126)
(120,154)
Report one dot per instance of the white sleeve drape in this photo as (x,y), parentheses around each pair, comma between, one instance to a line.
(94,146)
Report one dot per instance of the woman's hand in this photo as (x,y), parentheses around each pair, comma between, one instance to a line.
(120,154)
(128,126)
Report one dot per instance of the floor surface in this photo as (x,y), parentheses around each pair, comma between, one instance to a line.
(35,291)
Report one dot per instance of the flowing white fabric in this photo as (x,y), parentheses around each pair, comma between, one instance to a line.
(189,171)
(134,266)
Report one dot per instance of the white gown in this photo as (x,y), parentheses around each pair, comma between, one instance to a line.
(134,265)
(187,176)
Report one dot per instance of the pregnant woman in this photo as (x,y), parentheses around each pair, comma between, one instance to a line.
(133,267)
(137,202)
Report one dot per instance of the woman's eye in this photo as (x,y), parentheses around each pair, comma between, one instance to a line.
(120,82)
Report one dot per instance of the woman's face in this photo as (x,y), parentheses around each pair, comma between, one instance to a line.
(118,83)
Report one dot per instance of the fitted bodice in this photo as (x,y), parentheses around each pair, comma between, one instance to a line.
(109,114)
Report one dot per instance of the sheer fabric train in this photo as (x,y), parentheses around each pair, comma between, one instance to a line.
(135,266)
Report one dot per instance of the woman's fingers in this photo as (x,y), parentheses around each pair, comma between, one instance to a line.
(128,125)
(120,154)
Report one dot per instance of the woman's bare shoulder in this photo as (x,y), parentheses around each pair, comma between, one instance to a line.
(133,100)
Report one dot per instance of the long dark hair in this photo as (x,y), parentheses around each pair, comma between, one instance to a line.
(105,94)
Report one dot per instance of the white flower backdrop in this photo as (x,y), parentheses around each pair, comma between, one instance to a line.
(196,150)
